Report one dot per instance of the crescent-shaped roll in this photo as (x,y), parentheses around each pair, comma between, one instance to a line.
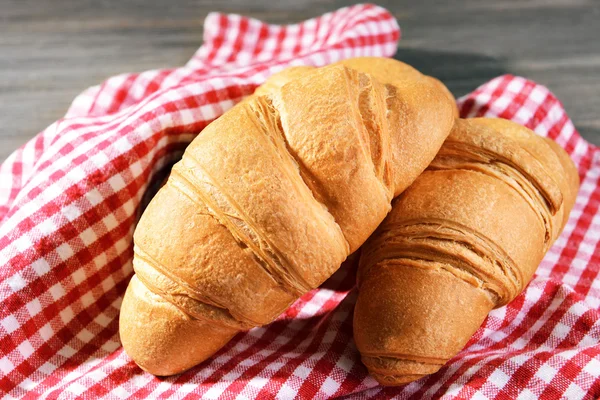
(269,200)
(464,238)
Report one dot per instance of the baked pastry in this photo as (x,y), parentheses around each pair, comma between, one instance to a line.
(269,200)
(464,238)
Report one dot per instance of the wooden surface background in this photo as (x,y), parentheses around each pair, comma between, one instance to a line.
(50,50)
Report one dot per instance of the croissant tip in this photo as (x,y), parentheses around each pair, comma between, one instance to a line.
(160,371)
(396,380)
(390,371)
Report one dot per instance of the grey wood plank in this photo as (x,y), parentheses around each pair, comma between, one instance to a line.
(52,50)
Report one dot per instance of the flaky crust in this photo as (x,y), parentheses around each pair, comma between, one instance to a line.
(464,238)
(269,200)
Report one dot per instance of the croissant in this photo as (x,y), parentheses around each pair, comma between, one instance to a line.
(464,238)
(269,200)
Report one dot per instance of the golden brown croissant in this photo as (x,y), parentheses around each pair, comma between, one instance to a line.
(465,237)
(269,200)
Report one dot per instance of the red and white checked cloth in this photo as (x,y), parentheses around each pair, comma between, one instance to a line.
(69,200)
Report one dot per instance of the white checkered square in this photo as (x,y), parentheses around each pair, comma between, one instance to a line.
(71,212)
(87,299)
(10,323)
(57,291)
(67,315)
(546,373)
(206,112)
(23,243)
(116,182)
(108,283)
(560,332)
(120,392)
(46,227)
(64,251)
(27,384)
(25,349)
(302,372)
(574,392)
(47,368)
(46,332)
(6,365)
(88,236)
(34,307)
(94,196)
(16,282)
(286,392)
(110,346)
(76,388)
(85,336)
(110,222)
(527,394)
(40,266)
(330,386)
(499,378)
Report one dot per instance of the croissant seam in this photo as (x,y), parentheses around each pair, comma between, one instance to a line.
(157,266)
(169,297)
(540,210)
(275,271)
(455,269)
(552,195)
(367,114)
(417,252)
(303,173)
(404,357)
(540,204)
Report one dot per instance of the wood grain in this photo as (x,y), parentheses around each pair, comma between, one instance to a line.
(52,50)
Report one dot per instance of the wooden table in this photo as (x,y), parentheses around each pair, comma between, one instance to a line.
(52,50)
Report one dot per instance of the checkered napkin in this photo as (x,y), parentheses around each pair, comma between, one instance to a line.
(70,197)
